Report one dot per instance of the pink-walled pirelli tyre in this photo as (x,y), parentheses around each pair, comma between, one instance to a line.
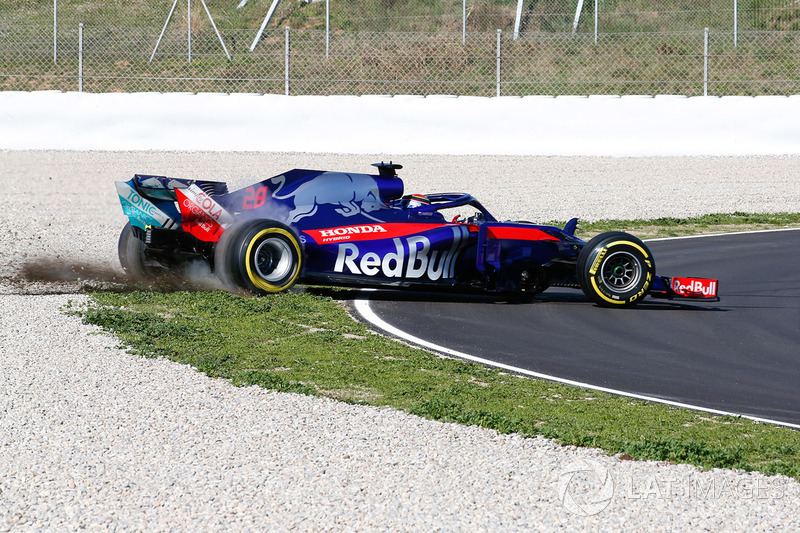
(615,269)
(259,256)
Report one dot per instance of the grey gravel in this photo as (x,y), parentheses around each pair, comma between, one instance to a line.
(94,438)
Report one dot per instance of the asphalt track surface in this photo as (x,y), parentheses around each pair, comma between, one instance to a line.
(740,355)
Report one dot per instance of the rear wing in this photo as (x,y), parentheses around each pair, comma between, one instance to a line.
(161,203)
(163,187)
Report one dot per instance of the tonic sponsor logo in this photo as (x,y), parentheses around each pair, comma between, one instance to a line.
(141,209)
(141,204)
(695,287)
(412,258)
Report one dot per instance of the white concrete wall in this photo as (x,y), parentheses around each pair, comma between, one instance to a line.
(534,125)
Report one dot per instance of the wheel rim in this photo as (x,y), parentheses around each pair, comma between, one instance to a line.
(273,260)
(621,271)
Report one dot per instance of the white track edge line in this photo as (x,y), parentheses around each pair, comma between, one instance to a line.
(683,237)
(363,308)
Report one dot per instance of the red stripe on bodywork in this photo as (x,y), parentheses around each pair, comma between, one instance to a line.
(520,234)
(369,232)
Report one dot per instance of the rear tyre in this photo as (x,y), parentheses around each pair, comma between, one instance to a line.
(615,269)
(260,256)
(130,250)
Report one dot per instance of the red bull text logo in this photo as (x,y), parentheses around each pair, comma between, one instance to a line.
(694,287)
(413,258)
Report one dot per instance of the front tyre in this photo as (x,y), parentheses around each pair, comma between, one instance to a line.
(615,269)
(261,256)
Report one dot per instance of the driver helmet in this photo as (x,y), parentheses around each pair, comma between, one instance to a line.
(418,200)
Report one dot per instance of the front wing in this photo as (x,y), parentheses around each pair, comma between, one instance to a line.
(683,288)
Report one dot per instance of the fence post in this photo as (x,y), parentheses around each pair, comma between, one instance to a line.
(286,63)
(577,20)
(596,20)
(160,37)
(705,63)
(499,33)
(327,29)
(80,57)
(735,23)
(189,28)
(216,30)
(55,31)
(464,22)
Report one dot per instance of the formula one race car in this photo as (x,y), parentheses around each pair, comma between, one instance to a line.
(337,228)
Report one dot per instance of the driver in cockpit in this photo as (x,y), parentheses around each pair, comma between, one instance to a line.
(417,200)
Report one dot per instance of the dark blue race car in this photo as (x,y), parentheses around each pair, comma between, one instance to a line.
(338,228)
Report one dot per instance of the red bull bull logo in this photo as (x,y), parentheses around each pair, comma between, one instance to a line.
(348,194)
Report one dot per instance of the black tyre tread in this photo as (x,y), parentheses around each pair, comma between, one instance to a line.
(599,241)
(225,269)
(590,246)
(130,250)
(231,250)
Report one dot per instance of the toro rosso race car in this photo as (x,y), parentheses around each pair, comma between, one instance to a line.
(337,228)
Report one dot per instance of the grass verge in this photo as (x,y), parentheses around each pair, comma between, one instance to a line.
(704,224)
(306,342)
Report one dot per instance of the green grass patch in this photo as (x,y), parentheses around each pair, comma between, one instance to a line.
(705,224)
(306,342)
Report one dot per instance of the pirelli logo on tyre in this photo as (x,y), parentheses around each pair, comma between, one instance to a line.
(597,261)
(620,270)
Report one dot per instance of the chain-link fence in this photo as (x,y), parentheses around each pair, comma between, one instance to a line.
(449,16)
(192,54)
